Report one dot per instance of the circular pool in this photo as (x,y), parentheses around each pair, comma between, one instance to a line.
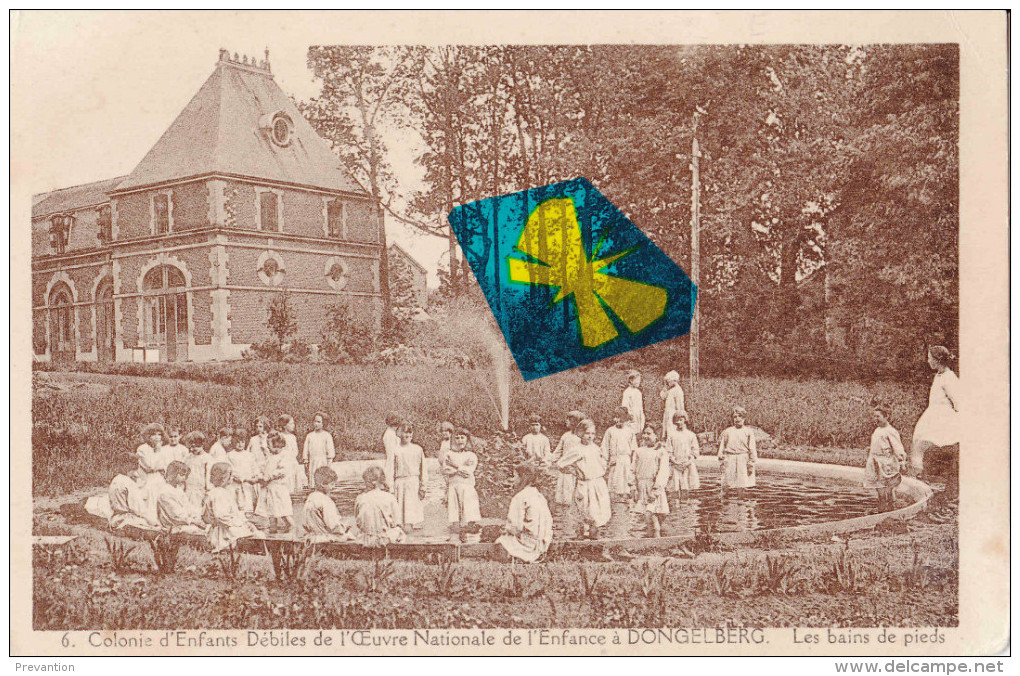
(792,498)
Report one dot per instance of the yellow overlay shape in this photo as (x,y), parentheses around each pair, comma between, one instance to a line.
(552,236)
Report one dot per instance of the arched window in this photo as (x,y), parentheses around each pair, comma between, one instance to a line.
(61,304)
(166,312)
(106,324)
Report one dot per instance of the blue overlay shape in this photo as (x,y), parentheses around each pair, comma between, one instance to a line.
(543,337)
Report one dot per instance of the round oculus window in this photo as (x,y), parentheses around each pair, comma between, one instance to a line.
(281,130)
(270,268)
(336,273)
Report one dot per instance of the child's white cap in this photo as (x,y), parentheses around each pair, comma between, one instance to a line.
(672,376)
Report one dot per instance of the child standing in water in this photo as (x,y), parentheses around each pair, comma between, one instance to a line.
(196,486)
(684,450)
(566,482)
(886,459)
(672,401)
(277,482)
(634,402)
(529,524)
(738,453)
(536,445)
(651,468)
(390,441)
(591,496)
(461,497)
(618,445)
(226,522)
(320,517)
(409,479)
(319,450)
(242,471)
(375,512)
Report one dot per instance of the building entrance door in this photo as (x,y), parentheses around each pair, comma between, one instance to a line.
(105,323)
(166,313)
(61,325)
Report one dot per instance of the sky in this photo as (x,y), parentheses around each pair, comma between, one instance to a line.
(96,90)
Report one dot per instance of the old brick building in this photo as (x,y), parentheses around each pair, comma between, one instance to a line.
(408,279)
(179,260)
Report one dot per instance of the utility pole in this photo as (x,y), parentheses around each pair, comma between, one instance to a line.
(452,237)
(695,251)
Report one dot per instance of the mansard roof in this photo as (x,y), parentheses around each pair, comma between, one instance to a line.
(226,129)
(73,198)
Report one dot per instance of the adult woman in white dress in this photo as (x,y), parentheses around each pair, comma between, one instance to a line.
(938,426)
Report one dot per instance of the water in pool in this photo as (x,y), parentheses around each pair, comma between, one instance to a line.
(778,501)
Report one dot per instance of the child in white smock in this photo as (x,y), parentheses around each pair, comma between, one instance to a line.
(409,479)
(738,453)
(529,523)
(684,450)
(618,445)
(461,496)
(591,496)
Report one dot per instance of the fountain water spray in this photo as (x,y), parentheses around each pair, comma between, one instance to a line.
(472,328)
(500,356)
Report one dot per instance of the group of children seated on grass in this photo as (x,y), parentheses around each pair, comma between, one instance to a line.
(182,487)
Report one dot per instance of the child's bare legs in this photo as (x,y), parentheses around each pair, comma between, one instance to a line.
(655,523)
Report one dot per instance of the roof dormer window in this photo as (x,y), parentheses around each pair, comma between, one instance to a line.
(60,232)
(105,222)
(161,213)
(281,131)
(278,127)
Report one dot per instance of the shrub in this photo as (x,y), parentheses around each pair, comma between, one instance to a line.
(345,340)
(268,350)
(282,320)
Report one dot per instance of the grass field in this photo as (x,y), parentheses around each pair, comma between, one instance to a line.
(82,420)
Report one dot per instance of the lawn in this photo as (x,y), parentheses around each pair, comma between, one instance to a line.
(82,420)
(899,575)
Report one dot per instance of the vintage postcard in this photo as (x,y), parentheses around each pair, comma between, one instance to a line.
(482,333)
